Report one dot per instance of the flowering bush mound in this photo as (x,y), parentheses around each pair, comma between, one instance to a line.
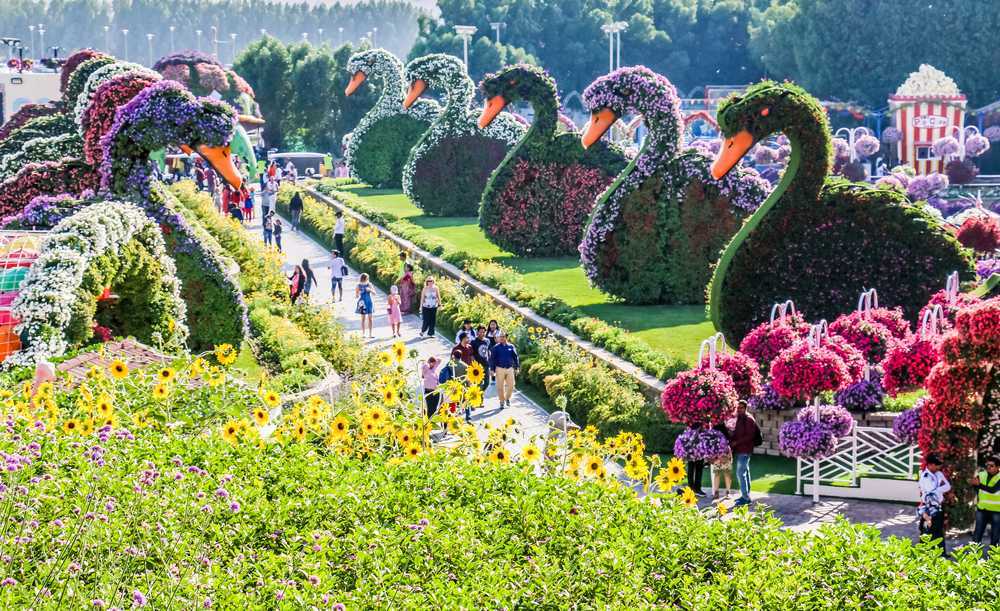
(72,63)
(46,126)
(447,169)
(37,150)
(202,74)
(99,115)
(656,231)
(381,142)
(50,178)
(539,199)
(24,114)
(818,241)
(803,371)
(98,78)
(78,80)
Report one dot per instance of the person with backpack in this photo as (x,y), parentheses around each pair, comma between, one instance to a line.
(743,437)
(295,210)
(278,227)
(268,226)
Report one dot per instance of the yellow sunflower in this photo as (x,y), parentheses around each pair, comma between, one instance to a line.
(405,436)
(340,427)
(454,393)
(676,470)
(161,392)
(385,359)
(119,370)
(721,508)
(260,416)
(368,427)
(474,396)
(140,420)
(86,427)
(111,421)
(454,426)
(475,373)
(166,374)
(389,396)
(530,453)
(216,376)
(230,431)
(270,398)
(197,367)
(688,497)
(500,456)
(412,450)
(71,426)
(225,354)
(45,390)
(592,466)
(299,431)
(104,406)
(399,351)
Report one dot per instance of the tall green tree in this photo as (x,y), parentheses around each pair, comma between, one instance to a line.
(266,66)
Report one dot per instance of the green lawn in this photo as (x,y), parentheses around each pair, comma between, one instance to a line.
(674,330)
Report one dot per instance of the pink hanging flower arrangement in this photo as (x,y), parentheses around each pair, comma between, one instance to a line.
(700,397)
(742,369)
(766,340)
(908,363)
(803,371)
(892,319)
(870,337)
(949,309)
(852,357)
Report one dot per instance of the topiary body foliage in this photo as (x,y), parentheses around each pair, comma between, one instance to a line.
(447,170)
(78,81)
(381,142)
(40,127)
(820,241)
(538,200)
(657,229)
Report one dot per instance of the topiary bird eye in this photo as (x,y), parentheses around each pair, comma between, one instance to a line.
(765,111)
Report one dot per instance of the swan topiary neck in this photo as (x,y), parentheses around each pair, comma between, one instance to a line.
(445,73)
(386,69)
(533,85)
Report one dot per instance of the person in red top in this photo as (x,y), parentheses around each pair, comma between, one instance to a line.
(743,437)
(463,350)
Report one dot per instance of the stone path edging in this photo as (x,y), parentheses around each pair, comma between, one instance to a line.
(650,386)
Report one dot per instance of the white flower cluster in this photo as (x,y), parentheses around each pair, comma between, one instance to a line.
(45,304)
(447,73)
(928,81)
(41,149)
(98,78)
(383,66)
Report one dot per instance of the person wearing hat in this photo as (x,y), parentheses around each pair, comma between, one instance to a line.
(504,365)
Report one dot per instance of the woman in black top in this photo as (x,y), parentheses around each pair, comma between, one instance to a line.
(308,277)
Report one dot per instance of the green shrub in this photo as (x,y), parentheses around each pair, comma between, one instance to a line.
(380,158)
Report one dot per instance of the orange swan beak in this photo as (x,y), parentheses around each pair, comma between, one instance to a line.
(356,80)
(221,159)
(599,124)
(417,89)
(493,107)
(733,149)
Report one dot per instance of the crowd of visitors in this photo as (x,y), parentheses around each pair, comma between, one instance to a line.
(743,436)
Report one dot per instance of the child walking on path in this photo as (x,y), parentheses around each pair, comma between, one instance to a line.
(395,315)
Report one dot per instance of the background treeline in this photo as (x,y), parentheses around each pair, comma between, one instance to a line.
(73,24)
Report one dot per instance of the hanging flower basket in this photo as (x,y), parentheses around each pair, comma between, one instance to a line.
(870,337)
(701,444)
(700,397)
(769,400)
(908,363)
(742,369)
(806,439)
(862,395)
(803,371)
(766,340)
(906,426)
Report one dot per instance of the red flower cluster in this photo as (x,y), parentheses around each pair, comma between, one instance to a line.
(870,337)
(100,115)
(953,419)
(891,319)
(803,371)
(852,357)
(980,233)
(767,340)
(908,363)
(700,397)
(45,178)
(23,115)
(742,369)
(949,309)
(544,207)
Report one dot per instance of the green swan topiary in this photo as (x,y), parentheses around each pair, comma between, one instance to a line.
(381,142)
(447,170)
(538,200)
(656,231)
(819,241)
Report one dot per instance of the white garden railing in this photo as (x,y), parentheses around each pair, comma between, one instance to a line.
(867,452)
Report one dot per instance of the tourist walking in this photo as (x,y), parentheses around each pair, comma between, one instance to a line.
(695,472)
(269,195)
(267,224)
(407,290)
(295,210)
(492,330)
(395,315)
(722,470)
(338,270)
(309,278)
(338,231)
(930,510)
(430,299)
(291,172)
(465,329)
(429,375)
(296,282)
(481,352)
(463,350)
(505,365)
(247,202)
(365,307)
(987,484)
(743,438)
(278,228)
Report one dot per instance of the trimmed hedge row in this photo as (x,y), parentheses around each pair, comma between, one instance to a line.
(510,282)
(298,343)
(595,394)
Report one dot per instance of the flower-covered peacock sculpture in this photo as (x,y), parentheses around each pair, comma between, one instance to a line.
(448,168)
(656,231)
(381,143)
(815,240)
(538,200)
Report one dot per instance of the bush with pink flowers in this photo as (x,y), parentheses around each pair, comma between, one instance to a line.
(803,371)
(742,369)
(46,178)
(908,363)
(852,357)
(700,397)
(872,338)
(765,341)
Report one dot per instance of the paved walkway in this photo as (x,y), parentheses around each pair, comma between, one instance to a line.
(797,512)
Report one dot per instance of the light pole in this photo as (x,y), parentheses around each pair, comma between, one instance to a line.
(31,29)
(41,41)
(620,26)
(107,38)
(319,39)
(498,25)
(374,34)
(215,42)
(172,47)
(263,31)
(125,38)
(232,37)
(609,29)
(340,36)
(198,45)
(149,40)
(466,32)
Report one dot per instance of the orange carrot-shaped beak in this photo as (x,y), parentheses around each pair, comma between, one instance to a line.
(733,149)
(417,89)
(221,159)
(599,124)
(356,80)
(493,107)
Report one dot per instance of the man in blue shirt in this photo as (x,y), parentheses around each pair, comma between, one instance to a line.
(504,365)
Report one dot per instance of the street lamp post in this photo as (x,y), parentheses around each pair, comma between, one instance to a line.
(232,37)
(620,26)
(172,47)
(263,31)
(374,34)
(41,41)
(125,38)
(614,30)
(215,42)
(466,32)
(198,38)
(107,38)
(319,39)
(498,25)
(149,40)
(340,36)
(31,29)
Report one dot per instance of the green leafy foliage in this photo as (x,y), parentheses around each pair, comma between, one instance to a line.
(39,127)
(450,163)
(821,242)
(387,145)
